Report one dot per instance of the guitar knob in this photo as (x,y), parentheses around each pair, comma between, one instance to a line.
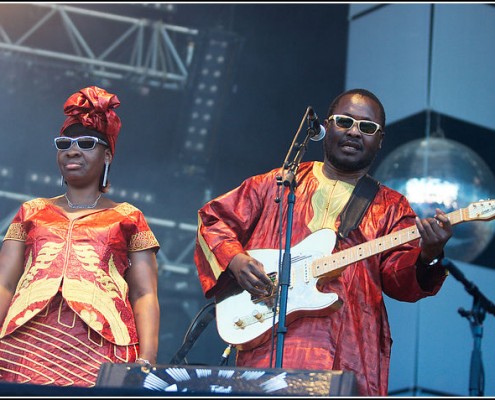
(256,314)
(238,322)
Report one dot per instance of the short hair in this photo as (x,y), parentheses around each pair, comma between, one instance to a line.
(364,93)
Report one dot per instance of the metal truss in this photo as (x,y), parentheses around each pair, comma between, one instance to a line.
(106,45)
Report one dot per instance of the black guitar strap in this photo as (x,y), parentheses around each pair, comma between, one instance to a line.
(361,198)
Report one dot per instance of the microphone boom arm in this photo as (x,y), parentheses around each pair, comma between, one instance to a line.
(300,148)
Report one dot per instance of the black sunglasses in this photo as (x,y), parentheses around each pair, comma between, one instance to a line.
(83,142)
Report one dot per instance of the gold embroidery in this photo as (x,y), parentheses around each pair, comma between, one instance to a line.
(60,313)
(16,231)
(210,257)
(120,282)
(21,354)
(57,362)
(44,312)
(328,200)
(27,275)
(27,316)
(41,291)
(28,291)
(113,283)
(36,204)
(142,241)
(91,319)
(64,353)
(92,335)
(84,291)
(88,256)
(126,359)
(80,346)
(126,209)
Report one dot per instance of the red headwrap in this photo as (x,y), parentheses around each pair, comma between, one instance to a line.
(93,108)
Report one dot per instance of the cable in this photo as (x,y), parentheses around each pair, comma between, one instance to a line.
(193,332)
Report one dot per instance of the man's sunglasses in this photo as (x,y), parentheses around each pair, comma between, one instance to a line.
(365,127)
(83,142)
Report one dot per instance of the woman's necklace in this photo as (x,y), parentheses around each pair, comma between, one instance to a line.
(81,206)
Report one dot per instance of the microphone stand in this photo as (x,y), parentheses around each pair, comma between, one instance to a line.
(475,317)
(289,181)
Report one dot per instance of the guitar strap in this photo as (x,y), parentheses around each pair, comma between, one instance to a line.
(361,198)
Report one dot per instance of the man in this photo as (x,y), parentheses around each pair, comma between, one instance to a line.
(353,334)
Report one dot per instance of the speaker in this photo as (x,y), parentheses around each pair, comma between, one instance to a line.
(208,380)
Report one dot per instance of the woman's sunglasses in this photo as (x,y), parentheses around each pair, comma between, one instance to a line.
(365,127)
(83,142)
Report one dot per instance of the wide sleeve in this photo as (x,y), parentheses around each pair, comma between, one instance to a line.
(398,270)
(142,237)
(16,230)
(19,226)
(225,225)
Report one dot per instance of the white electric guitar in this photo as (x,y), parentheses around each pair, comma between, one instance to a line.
(246,321)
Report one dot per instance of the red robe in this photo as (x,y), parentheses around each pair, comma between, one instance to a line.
(357,336)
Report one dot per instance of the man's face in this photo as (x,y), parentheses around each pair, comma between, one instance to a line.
(348,149)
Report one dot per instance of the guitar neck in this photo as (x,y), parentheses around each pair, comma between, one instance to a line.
(325,266)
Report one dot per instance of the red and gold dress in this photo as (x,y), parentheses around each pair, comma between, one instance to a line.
(71,311)
(357,336)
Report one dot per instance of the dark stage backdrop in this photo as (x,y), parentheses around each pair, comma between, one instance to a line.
(285,58)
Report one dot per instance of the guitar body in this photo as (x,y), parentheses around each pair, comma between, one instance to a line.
(246,322)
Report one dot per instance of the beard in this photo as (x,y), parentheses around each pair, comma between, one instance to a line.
(344,164)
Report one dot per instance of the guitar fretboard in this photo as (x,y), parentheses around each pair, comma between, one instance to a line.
(336,261)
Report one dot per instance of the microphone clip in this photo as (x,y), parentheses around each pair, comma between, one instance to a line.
(315,131)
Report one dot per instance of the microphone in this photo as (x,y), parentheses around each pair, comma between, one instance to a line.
(315,130)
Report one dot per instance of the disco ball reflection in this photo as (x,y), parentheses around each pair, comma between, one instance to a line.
(438,172)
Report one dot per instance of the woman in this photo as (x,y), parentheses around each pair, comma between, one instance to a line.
(78,272)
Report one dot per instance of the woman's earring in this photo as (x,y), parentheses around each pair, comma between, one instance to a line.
(105,174)
(62,180)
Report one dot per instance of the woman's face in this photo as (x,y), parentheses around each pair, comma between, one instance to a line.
(82,163)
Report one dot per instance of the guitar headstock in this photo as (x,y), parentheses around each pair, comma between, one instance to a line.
(483,210)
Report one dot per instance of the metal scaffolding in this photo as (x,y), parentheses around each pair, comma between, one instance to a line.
(102,44)
(149,52)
